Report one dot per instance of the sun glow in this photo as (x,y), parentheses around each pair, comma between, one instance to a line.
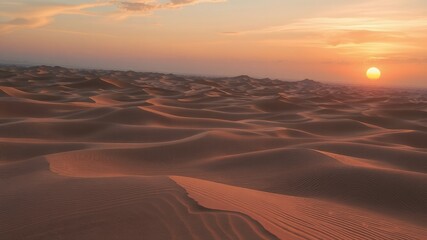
(373,73)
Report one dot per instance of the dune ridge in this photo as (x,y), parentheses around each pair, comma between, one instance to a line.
(289,217)
(98,154)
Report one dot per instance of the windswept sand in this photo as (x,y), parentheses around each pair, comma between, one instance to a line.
(92,154)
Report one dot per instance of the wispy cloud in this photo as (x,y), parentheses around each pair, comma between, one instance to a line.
(145,7)
(358,30)
(356,36)
(34,16)
(330,24)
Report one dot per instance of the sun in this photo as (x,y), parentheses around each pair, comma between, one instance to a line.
(373,73)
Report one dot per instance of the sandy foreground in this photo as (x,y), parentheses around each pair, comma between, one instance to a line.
(91,154)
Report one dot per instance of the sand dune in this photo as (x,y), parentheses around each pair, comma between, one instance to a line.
(290,217)
(109,208)
(95,154)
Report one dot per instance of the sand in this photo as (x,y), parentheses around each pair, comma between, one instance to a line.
(97,154)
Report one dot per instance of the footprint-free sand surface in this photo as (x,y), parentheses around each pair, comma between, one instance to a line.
(100,155)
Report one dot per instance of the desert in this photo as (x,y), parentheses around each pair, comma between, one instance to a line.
(107,154)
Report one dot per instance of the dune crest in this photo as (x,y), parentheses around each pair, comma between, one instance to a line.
(290,217)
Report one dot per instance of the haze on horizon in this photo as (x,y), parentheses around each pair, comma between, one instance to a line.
(331,40)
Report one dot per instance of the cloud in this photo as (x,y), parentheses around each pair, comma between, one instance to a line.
(357,23)
(370,27)
(341,24)
(33,16)
(362,36)
(145,7)
(141,7)
(360,30)
(339,31)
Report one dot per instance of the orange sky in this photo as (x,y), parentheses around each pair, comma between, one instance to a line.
(323,40)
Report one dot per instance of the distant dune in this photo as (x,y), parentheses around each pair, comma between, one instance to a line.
(96,154)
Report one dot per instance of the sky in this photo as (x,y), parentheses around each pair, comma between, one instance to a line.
(330,40)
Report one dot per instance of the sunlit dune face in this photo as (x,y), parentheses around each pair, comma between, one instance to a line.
(373,73)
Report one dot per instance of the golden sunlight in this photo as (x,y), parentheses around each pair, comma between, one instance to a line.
(373,73)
